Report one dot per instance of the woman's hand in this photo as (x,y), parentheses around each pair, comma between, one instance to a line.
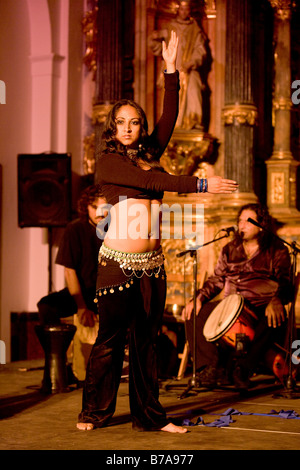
(169,52)
(219,185)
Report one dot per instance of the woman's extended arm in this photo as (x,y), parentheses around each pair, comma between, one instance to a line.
(119,170)
(163,130)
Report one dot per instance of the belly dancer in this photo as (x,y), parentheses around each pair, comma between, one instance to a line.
(131,284)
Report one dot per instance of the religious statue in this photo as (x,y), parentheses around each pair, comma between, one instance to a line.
(191,54)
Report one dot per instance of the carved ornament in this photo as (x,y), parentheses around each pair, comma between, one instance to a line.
(282,104)
(186,151)
(89,154)
(240,114)
(89,29)
(283,8)
(277,188)
(283,155)
(100,112)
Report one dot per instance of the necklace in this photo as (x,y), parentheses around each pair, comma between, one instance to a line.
(132,153)
(250,250)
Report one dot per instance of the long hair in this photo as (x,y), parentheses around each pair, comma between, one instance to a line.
(109,143)
(87,197)
(264,219)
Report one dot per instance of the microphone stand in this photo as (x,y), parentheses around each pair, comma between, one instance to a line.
(291,391)
(194,381)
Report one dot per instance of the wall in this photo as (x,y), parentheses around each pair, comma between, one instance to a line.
(15,137)
(41,113)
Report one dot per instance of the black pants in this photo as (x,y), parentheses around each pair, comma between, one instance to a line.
(212,353)
(135,311)
(61,304)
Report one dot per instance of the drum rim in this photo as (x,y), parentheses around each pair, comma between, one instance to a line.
(219,335)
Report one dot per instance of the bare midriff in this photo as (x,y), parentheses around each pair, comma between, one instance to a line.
(134,226)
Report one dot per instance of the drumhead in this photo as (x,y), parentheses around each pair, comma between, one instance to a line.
(223,317)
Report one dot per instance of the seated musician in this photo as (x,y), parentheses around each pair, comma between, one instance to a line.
(255,265)
(78,253)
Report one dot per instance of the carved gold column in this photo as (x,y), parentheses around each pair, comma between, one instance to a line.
(282,167)
(110,57)
(89,29)
(239,114)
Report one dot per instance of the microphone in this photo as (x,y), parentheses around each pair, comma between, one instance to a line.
(228,230)
(254,222)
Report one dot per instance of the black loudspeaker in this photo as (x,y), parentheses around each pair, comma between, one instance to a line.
(44,190)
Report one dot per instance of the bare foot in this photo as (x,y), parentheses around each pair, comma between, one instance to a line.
(85,426)
(174,429)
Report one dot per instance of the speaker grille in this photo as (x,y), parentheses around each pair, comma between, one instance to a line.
(44,190)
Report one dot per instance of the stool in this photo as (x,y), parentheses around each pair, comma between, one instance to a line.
(184,357)
(55,341)
(83,342)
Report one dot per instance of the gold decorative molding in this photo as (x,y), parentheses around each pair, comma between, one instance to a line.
(186,151)
(282,155)
(180,270)
(170,7)
(282,103)
(89,154)
(277,185)
(282,190)
(238,114)
(210,9)
(283,8)
(166,6)
(100,112)
(89,29)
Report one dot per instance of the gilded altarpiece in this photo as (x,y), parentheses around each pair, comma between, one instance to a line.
(199,147)
(283,196)
(193,148)
(233,149)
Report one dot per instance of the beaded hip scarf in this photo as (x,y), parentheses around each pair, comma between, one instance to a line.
(132,265)
(136,264)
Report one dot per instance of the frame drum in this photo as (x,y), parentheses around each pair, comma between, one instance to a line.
(229,318)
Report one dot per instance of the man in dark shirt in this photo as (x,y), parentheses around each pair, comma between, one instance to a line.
(78,253)
(255,265)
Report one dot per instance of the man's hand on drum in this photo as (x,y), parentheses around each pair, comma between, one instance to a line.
(86,317)
(188,309)
(275,313)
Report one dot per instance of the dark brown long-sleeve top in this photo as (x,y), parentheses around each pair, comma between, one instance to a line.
(258,279)
(119,177)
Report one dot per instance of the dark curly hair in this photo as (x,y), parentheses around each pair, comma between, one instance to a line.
(109,144)
(87,197)
(264,219)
